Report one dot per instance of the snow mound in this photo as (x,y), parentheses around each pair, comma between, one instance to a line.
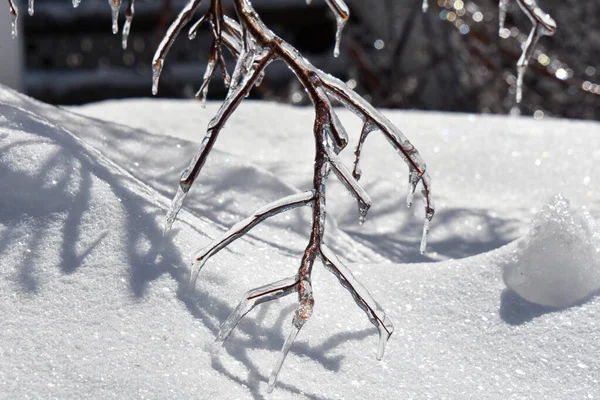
(557,264)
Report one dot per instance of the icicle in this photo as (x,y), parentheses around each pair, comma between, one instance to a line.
(174,208)
(338,36)
(502,7)
(413,180)
(194,29)
(520,74)
(362,213)
(341,11)
(127,25)
(284,352)
(30,7)
(260,79)
(115,5)
(384,336)
(367,128)
(156,70)
(303,313)
(425,6)
(76,3)
(428,218)
(210,70)
(14,12)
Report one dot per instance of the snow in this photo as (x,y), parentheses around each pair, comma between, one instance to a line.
(558,262)
(87,310)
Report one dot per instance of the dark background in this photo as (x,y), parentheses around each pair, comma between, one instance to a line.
(449,58)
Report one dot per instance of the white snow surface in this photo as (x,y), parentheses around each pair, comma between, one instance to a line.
(86,312)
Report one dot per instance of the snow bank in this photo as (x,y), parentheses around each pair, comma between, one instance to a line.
(86,312)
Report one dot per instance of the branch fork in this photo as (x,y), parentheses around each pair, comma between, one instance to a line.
(254,46)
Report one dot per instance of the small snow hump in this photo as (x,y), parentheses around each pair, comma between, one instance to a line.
(557,263)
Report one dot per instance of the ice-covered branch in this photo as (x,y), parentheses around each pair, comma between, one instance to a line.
(344,175)
(374,120)
(234,97)
(254,297)
(254,47)
(183,18)
(242,227)
(543,25)
(361,296)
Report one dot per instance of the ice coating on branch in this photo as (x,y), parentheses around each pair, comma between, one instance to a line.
(30,7)
(361,296)
(208,74)
(252,298)
(557,263)
(238,230)
(193,31)
(115,5)
(528,49)
(351,184)
(338,90)
(543,24)
(165,45)
(127,25)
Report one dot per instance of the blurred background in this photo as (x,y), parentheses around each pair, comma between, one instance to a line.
(449,58)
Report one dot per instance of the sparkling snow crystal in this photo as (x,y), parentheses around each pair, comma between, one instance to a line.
(557,263)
